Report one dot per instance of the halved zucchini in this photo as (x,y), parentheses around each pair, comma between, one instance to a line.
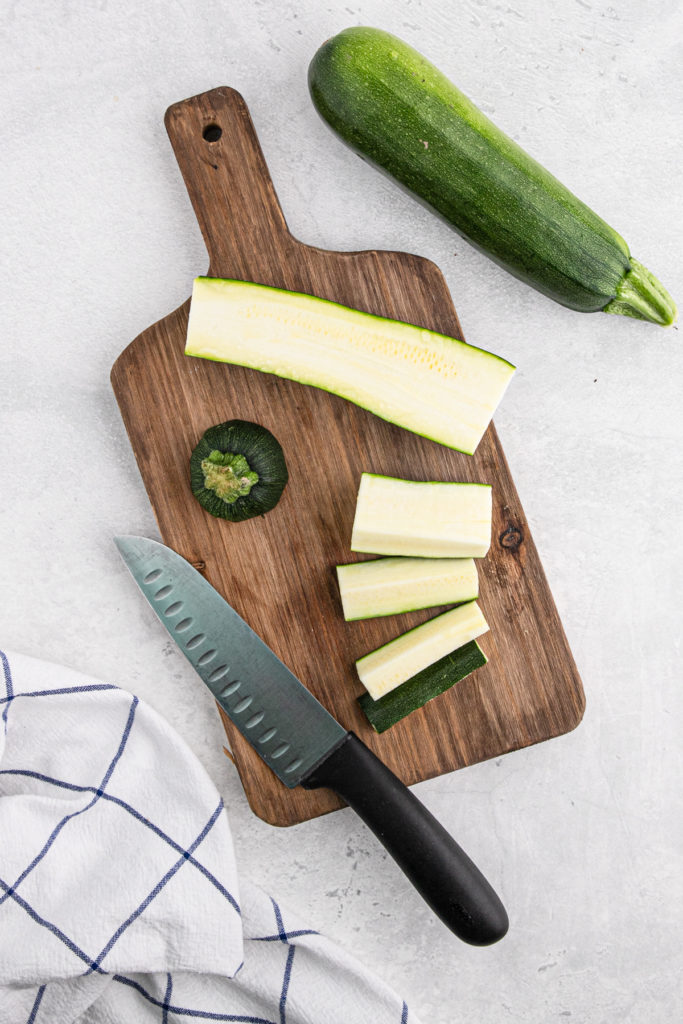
(388,586)
(426,519)
(386,668)
(426,382)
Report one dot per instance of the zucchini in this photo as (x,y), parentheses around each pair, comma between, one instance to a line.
(238,471)
(423,381)
(399,112)
(389,666)
(389,586)
(424,519)
(423,687)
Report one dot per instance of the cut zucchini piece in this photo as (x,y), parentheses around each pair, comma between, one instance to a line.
(426,382)
(425,519)
(238,471)
(386,668)
(423,687)
(388,586)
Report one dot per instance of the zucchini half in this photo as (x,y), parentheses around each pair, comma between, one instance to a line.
(426,382)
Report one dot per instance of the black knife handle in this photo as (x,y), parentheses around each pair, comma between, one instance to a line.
(439,869)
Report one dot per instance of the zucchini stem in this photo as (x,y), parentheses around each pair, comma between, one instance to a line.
(228,475)
(642,296)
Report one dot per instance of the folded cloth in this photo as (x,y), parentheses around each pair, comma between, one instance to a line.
(119,899)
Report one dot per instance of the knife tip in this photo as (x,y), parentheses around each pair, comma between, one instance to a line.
(128,545)
(134,548)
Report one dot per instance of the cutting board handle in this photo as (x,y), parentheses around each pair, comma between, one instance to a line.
(226,176)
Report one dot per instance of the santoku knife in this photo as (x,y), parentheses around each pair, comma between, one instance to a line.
(304,745)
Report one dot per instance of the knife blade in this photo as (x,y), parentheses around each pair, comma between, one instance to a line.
(284,723)
(303,744)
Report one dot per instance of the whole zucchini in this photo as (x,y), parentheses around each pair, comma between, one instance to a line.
(399,112)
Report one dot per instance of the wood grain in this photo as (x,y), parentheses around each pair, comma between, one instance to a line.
(278,571)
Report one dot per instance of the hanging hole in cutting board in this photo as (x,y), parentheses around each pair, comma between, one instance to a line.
(212,133)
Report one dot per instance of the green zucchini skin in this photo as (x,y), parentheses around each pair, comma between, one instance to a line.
(423,687)
(265,457)
(403,115)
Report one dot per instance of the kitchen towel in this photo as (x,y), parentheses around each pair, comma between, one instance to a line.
(119,897)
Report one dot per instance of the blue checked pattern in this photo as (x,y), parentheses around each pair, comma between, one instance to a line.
(118,878)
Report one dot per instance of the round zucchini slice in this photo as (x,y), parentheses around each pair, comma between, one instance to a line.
(238,471)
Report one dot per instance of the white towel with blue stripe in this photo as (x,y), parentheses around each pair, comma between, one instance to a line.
(119,899)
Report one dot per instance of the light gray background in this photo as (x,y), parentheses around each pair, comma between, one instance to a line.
(582,834)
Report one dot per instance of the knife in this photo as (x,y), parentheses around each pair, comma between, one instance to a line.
(304,745)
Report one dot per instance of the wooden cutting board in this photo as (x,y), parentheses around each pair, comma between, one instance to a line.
(278,571)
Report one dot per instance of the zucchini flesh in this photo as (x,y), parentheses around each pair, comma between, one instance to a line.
(426,382)
(389,586)
(422,687)
(397,661)
(402,114)
(424,519)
